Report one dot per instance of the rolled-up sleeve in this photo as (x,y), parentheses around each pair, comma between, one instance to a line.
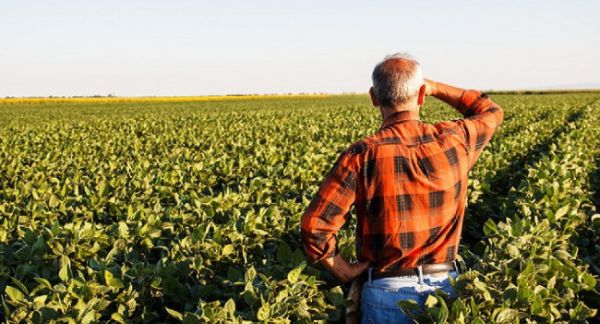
(328,210)
(482,119)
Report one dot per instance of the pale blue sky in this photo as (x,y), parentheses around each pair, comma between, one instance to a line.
(221,47)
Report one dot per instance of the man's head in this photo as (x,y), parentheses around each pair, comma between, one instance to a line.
(398,83)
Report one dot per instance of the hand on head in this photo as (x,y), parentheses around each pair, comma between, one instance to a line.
(429,87)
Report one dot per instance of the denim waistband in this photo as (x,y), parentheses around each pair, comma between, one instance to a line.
(416,278)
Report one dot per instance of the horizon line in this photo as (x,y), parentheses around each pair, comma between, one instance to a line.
(283,94)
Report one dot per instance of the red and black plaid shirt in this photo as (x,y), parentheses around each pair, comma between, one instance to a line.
(408,182)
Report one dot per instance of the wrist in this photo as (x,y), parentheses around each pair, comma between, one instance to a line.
(351,270)
(432,87)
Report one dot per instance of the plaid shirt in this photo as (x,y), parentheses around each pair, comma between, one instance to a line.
(408,182)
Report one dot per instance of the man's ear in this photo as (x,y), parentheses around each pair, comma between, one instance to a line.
(421,98)
(373,98)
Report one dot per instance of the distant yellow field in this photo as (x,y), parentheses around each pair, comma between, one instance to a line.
(152,99)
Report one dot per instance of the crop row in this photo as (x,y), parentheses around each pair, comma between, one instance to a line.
(530,267)
(504,163)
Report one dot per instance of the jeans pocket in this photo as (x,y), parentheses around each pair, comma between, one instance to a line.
(380,304)
(375,314)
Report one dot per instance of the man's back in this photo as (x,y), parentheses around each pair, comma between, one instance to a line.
(408,183)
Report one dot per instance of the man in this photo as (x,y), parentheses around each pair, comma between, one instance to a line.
(408,183)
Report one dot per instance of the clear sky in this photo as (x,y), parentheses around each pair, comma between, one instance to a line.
(133,48)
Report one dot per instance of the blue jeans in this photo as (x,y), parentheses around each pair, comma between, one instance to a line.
(379,297)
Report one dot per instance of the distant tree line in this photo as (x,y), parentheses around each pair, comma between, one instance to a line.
(530,92)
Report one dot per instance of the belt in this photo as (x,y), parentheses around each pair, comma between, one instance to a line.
(425,269)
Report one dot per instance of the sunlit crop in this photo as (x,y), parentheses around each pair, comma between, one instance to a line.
(161,209)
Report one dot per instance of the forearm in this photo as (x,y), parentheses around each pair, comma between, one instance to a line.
(482,115)
(342,269)
(447,93)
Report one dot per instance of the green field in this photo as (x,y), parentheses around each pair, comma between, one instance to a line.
(166,211)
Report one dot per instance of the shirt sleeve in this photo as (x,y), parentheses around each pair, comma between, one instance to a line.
(482,118)
(328,210)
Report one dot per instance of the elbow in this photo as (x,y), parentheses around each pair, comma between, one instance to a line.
(317,245)
(500,114)
(306,232)
(305,236)
(304,223)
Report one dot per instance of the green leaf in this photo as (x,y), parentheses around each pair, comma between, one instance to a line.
(298,257)
(442,316)
(174,313)
(191,318)
(250,298)
(294,275)
(233,274)
(478,320)
(431,301)
(118,317)
(474,307)
(513,251)
(250,274)
(112,281)
(39,301)
(336,296)
(284,253)
(230,306)
(155,283)
(123,230)
(482,287)
(20,285)
(65,273)
(490,228)
(264,312)
(14,294)
(561,212)
(458,308)
(537,306)
(409,305)
(53,202)
(40,244)
(510,294)
(89,317)
(228,249)
(524,293)
(589,280)
(283,294)
(507,315)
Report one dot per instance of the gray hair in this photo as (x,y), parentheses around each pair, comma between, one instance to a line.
(394,86)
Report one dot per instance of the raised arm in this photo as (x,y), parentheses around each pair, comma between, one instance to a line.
(447,93)
(482,115)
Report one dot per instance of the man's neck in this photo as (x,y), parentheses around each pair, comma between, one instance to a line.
(399,116)
(386,113)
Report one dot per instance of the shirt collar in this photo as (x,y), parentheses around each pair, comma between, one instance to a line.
(400,117)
